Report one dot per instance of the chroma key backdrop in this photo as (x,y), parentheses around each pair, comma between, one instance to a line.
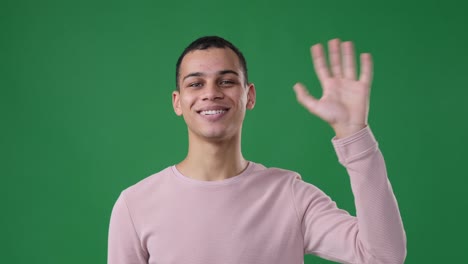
(86,110)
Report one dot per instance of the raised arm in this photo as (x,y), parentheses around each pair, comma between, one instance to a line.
(376,234)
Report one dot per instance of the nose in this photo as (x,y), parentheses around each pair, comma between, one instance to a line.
(212,92)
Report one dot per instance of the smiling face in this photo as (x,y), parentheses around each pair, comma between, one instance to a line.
(213,96)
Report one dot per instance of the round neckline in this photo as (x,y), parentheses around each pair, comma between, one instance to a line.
(223,182)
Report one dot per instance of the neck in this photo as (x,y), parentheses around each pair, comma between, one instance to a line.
(213,160)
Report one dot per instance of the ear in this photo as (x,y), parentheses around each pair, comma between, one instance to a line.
(176,103)
(251,96)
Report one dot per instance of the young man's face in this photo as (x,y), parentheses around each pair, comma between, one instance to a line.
(213,96)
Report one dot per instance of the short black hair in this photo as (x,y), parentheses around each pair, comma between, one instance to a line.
(207,42)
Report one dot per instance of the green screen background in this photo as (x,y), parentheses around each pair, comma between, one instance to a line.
(86,110)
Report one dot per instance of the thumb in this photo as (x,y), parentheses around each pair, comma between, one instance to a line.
(304,98)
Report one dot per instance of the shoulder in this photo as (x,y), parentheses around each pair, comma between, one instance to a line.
(275,174)
(147,186)
(285,177)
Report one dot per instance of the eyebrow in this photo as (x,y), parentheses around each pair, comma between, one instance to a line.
(197,74)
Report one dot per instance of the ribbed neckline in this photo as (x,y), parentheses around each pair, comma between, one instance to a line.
(228,181)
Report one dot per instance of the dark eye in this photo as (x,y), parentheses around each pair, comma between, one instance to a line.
(195,84)
(226,82)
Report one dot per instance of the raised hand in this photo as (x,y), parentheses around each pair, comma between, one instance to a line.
(345,99)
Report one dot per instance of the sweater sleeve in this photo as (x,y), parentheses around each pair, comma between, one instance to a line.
(376,234)
(124,246)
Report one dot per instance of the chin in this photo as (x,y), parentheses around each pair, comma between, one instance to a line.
(215,136)
(215,132)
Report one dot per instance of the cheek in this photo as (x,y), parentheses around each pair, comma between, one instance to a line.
(240,97)
(243,100)
(186,102)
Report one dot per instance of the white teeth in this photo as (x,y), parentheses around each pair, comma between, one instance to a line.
(212,112)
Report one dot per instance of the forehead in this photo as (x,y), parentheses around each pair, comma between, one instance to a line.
(209,61)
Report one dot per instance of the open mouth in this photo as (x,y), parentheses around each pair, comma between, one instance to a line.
(212,112)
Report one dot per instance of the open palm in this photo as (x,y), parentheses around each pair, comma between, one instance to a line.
(345,99)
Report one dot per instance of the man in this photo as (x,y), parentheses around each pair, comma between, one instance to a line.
(217,207)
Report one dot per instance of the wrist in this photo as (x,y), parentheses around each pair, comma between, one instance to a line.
(342,131)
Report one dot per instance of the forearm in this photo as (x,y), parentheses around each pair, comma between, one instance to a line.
(381,231)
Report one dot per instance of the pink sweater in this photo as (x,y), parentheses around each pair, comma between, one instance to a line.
(262,216)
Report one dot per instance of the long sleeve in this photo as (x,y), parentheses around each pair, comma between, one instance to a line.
(376,234)
(124,246)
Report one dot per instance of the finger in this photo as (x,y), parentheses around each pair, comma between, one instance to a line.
(349,63)
(335,57)
(320,62)
(366,68)
(304,98)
